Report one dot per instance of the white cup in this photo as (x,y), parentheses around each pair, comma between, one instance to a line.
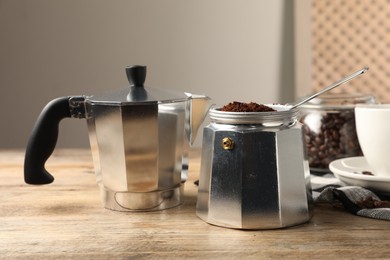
(373,131)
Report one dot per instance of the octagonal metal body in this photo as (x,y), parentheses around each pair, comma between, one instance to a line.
(140,154)
(262,181)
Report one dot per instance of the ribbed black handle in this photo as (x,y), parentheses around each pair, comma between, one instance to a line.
(43,140)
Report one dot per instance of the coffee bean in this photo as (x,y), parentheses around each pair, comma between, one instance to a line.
(330,135)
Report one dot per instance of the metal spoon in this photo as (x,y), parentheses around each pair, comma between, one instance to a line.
(336,84)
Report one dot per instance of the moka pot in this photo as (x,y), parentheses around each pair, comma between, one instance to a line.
(139,137)
(254,170)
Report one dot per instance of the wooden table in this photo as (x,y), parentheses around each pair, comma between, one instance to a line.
(66,220)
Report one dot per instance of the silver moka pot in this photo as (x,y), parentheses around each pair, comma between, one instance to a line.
(139,138)
(254,171)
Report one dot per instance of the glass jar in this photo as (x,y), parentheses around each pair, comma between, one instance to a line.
(330,131)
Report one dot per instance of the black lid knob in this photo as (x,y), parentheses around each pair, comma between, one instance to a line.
(136,75)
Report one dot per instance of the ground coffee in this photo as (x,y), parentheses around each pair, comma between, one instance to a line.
(246,107)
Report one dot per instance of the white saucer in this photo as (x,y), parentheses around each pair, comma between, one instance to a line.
(349,170)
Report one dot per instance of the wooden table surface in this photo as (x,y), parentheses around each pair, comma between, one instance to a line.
(66,220)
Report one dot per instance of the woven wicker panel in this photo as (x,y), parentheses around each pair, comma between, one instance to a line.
(346,36)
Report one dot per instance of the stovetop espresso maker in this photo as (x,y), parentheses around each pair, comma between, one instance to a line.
(139,138)
(254,170)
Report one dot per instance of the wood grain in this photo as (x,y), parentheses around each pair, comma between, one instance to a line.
(66,220)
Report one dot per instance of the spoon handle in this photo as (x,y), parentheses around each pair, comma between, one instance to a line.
(336,84)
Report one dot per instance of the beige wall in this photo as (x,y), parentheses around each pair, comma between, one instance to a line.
(228,49)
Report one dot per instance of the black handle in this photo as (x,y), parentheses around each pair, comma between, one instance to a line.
(43,140)
(136,75)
